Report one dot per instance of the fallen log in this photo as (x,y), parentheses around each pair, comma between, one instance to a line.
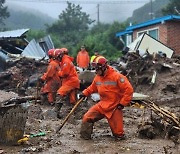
(19,100)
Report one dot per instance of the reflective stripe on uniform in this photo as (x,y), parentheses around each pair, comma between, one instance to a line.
(110,83)
(107,83)
(98,83)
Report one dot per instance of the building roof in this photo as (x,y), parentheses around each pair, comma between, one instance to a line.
(148,23)
(13,33)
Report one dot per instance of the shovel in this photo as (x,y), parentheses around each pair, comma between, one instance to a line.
(70,113)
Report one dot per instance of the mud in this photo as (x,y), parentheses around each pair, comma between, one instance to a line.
(68,139)
(41,118)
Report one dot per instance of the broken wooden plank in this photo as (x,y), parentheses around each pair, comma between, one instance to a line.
(162,112)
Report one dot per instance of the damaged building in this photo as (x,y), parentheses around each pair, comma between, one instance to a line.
(14,44)
(164,29)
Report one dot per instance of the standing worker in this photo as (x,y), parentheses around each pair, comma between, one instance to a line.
(83,59)
(70,81)
(96,53)
(48,91)
(115,92)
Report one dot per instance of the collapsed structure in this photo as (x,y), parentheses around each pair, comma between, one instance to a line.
(14,44)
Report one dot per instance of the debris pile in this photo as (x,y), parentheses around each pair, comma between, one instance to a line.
(159,78)
(21,74)
(161,123)
(153,76)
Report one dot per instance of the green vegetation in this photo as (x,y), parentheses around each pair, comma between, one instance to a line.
(172,8)
(72,30)
(144,13)
(37,34)
(71,27)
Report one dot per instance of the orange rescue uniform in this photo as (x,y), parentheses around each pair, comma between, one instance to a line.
(52,80)
(82,59)
(113,88)
(70,81)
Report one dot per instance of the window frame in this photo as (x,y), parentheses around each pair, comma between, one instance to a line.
(147,30)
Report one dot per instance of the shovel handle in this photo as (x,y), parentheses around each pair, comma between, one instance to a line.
(37,91)
(70,113)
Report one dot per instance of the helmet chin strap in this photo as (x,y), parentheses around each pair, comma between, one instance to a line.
(103,70)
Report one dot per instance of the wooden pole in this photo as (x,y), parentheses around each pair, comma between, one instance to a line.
(70,113)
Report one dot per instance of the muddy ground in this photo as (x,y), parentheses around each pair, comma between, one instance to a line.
(41,118)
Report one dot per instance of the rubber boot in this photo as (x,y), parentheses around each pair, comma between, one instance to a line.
(60,100)
(44,99)
(57,109)
(119,138)
(86,130)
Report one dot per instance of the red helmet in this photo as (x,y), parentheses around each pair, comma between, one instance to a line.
(65,50)
(99,60)
(57,53)
(51,52)
(100,63)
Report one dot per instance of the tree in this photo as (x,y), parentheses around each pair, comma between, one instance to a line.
(35,34)
(71,25)
(172,8)
(102,38)
(3,12)
(114,28)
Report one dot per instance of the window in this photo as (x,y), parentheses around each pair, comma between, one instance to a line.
(128,39)
(152,32)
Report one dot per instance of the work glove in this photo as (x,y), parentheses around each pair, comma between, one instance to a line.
(82,96)
(120,106)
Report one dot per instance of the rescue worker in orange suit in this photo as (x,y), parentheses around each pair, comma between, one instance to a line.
(115,92)
(51,78)
(70,81)
(65,50)
(82,58)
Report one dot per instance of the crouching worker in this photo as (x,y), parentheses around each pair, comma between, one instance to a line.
(51,79)
(70,81)
(115,92)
